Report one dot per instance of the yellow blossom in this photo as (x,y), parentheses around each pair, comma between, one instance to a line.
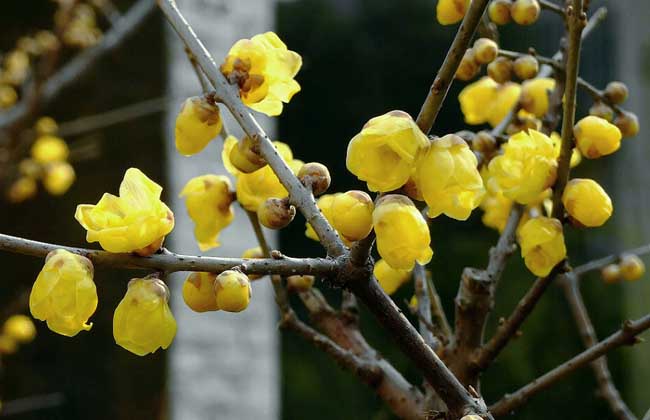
(449,12)
(448,178)
(49,148)
(324,203)
(142,321)
(596,137)
(488,101)
(133,221)
(542,244)
(383,154)
(390,279)
(20,328)
(22,189)
(64,294)
(587,202)
(526,168)
(264,69)
(351,214)
(402,233)
(58,177)
(198,292)
(496,210)
(534,95)
(198,122)
(232,290)
(208,200)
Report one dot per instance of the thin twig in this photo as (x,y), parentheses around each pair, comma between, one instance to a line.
(513,55)
(545,4)
(424,306)
(600,263)
(627,335)
(598,95)
(438,316)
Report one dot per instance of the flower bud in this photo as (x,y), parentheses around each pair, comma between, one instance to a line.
(542,244)
(30,168)
(485,50)
(534,95)
(500,70)
(246,157)
(586,202)
(232,290)
(276,213)
(611,273)
(595,137)
(300,283)
(46,126)
(143,322)
(468,67)
(525,12)
(602,110)
(526,67)
(499,11)
(8,96)
(616,92)
(316,176)
(198,292)
(8,345)
(198,122)
(46,40)
(58,177)
(22,189)
(496,210)
(64,294)
(628,123)
(20,328)
(49,148)
(352,214)
(632,267)
(390,279)
(449,12)
(402,233)
(252,253)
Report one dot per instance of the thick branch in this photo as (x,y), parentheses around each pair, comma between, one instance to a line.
(445,76)
(171,262)
(627,335)
(300,196)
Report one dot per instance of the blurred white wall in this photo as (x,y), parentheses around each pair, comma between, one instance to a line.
(223,366)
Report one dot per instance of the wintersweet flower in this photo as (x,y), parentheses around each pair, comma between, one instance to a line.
(232,290)
(58,177)
(198,292)
(448,178)
(19,327)
(390,279)
(198,122)
(136,221)
(596,137)
(324,203)
(143,322)
(587,202)
(449,12)
(542,244)
(264,69)
(402,233)
(534,95)
(383,154)
(526,168)
(64,294)
(496,210)
(208,200)
(49,148)
(351,214)
(488,101)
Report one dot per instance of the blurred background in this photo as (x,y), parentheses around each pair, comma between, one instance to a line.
(361,58)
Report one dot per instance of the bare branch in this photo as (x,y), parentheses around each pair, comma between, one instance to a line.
(598,95)
(627,335)
(424,307)
(545,4)
(513,55)
(171,262)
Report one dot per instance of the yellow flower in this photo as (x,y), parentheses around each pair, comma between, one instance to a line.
(48,149)
(449,12)
(198,122)
(324,203)
(264,69)
(632,267)
(488,101)
(496,210)
(383,154)
(130,222)
(64,294)
(20,328)
(586,202)
(542,244)
(142,321)
(58,177)
(402,233)
(390,279)
(595,137)
(351,214)
(534,95)
(198,292)
(576,157)
(526,168)
(22,189)
(208,201)
(253,253)
(448,178)
(232,290)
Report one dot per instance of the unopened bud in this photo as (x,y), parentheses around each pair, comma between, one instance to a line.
(611,273)
(628,123)
(276,213)
(468,67)
(526,67)
(485,50)
(632,267)
(499,12)
(500,70)
(602,110)
(525,12)
(233,291)
(616,92)
(316,176)
(300,283)
(245,156)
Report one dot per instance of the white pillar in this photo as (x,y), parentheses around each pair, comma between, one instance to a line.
(223,366)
